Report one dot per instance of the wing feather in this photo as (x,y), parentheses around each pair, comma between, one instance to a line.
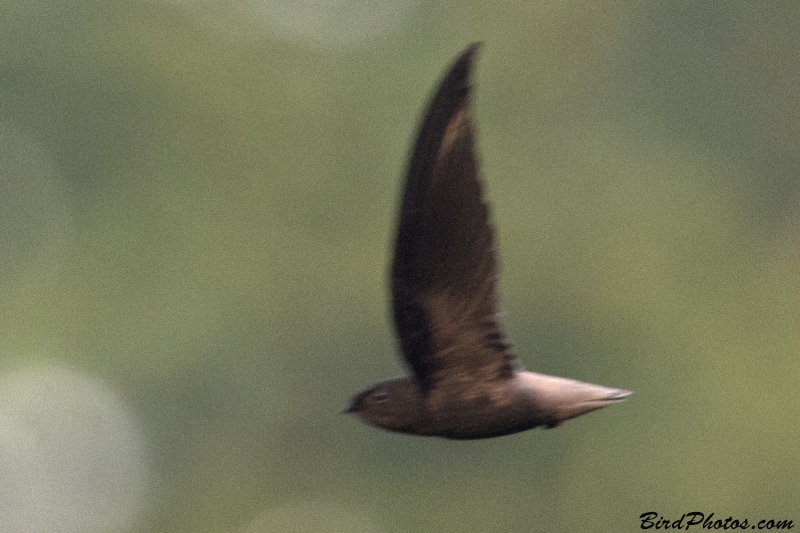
(444,271)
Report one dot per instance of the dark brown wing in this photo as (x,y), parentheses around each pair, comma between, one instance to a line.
(444,269)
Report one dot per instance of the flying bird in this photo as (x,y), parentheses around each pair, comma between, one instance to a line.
(465,382)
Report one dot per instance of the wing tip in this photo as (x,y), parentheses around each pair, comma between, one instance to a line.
(459,73)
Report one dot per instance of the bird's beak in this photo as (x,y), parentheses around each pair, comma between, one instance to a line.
(351,406)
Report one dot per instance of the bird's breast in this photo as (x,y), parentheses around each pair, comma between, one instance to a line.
(491,414)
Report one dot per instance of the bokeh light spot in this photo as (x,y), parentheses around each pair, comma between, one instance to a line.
(72,454)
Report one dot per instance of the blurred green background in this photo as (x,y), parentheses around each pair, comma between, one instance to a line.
(196,206)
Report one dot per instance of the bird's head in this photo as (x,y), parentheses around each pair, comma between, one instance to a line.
(396,405)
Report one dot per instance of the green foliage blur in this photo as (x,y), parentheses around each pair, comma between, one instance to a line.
(197,201)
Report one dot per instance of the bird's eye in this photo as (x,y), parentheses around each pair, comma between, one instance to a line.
(380,395)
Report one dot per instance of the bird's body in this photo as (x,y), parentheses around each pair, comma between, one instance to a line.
(524,401)
(465,383)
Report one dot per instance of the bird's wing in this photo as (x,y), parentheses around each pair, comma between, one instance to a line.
(444,269)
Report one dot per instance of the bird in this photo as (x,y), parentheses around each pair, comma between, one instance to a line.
(465,380)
